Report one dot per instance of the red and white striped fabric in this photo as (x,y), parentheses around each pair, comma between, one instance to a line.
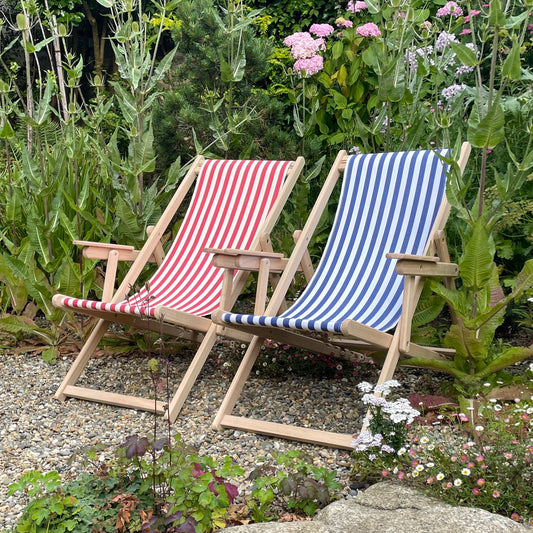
(230,201)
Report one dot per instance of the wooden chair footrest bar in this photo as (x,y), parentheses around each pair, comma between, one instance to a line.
(313,436)
(112,398)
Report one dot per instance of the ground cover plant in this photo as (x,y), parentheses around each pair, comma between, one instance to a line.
(162,485)
(480,458)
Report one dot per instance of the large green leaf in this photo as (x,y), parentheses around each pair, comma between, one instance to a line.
(466,55)
(524,280)
(489,131)
(16,325)
(38,241)
(6,131)
(69,278)
(162,68)
(143,153)
(477,264)
(511,66)
(235,71)
(12,274)
(496,15)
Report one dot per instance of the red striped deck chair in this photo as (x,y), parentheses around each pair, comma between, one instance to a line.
(234,204)
(388,226)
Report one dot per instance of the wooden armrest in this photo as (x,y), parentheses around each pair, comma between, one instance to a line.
(411,257)
(423,265)
(105,245)
(246,259)
(426,269)
(101,250)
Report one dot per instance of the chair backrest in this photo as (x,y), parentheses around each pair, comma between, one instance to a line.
(388,203)
(230,202)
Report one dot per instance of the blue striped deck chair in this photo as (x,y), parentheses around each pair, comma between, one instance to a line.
(386,236)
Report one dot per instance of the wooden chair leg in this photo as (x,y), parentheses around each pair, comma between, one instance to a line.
(238,382)
(391,360)
(79,364)
(190,376)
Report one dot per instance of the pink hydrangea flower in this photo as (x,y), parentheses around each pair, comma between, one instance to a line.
(308,65)
(356,7)
(303,45)
(450,8)
(368,30)
(322,30)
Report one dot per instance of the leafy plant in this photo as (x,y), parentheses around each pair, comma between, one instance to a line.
(219,103)
(481,458)
(173,488)
(65,177)
(479,305)
(291,483)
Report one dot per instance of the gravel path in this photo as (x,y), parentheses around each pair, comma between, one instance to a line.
(38,432)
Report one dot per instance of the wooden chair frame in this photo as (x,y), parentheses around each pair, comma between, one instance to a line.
(167,321)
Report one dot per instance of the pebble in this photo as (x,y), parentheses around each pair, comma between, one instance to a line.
(39,432)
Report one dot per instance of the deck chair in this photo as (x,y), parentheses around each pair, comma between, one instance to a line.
(233,204)
(389,221)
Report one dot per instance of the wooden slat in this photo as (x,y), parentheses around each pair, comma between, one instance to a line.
(102,253)
(262,286)
(104,245)
(366,333)
(249,262)
(232,252)
(411,257)
(112,398)
(426,352)
(313,436)
(305,264)
(110,275)
(159,254)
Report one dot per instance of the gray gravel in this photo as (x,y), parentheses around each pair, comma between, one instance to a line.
(38,432)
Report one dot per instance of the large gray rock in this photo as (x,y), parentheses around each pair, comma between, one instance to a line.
(393,508)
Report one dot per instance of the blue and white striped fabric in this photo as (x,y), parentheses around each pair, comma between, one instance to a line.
(388,203)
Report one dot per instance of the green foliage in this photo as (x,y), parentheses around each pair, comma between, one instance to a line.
(156,485)
(173,488)
(286,16)
(51,508)
(67,177)
(219,103)
(290,483)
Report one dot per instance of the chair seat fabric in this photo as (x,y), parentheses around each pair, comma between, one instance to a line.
(230,201)
(388,203)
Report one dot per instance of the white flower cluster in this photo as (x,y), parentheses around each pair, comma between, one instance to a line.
(399,411)
(444,39)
